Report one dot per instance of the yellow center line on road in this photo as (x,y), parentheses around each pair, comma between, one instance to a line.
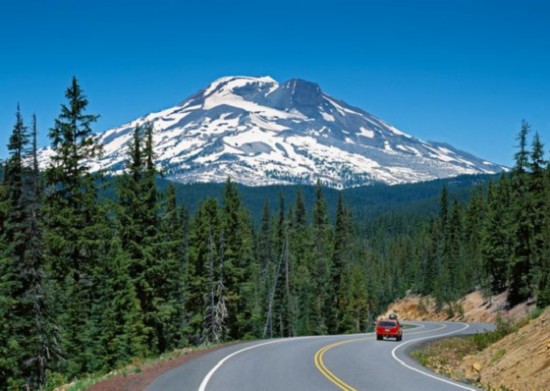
(327,373)
(320,364)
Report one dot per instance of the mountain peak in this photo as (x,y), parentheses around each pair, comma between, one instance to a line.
(303,92)
(301,84)
(229,84)
(260,132)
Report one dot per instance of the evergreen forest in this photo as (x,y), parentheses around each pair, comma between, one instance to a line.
(89,283)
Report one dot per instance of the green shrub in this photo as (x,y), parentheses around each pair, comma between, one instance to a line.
(54,380)
(535,313)
(504,327)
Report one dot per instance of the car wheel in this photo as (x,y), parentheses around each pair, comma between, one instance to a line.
(379,337)
(399,338)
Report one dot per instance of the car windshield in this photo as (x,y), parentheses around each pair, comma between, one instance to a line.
(386,324)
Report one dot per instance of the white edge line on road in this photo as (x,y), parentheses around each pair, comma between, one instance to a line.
(426,373)
(209,375)
(206,379)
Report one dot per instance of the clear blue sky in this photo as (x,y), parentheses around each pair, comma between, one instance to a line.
(462,72)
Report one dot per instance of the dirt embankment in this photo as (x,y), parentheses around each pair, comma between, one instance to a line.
(518,362)
(471,308)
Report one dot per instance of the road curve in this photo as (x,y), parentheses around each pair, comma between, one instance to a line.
(343,362)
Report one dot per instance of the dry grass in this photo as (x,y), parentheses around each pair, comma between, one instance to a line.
(515,357)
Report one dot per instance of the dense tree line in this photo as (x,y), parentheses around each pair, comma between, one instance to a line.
(87,285)
(499,240)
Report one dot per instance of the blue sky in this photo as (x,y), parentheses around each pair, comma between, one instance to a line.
(462,72)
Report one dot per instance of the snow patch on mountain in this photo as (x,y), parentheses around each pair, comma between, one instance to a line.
(260,132)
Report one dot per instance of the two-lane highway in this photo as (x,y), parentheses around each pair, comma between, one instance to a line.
(343,362)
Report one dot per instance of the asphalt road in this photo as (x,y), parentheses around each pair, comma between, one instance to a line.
(343,362)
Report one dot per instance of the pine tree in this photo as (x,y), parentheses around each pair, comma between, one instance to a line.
(131,216)
(455,264)
(205,275)
(348,277)
(430,258)
(495,238)
(278,322)
(264,256)
(537,193)
(442,281)
(24,283)
(473,227)
(303,291)
(282,278)
(179,224)
(170,293)
(354,304)
(341,255)
(119,334)
(41,345)
(152,280)
(140,232)
(520,277)
(72,224)
(265,251)
(13,252)
(237,252)
(321,265)
(444,207)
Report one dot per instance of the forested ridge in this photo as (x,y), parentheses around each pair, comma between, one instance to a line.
(88,283)
(366,202)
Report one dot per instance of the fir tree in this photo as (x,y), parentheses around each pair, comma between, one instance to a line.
(170,292)
(131,217)
(442,283)
(72,224)
(455,259)
(264,257)
(235,260)
(24,285)
(341,255)
(354,303)
(537,193)
(119,334)
(430,258)
(205,275)
(139,226)
(520,287)
(12,254)
(444,207)
(321,265)
(473,226)
(278,322)
(300,250)
(41,346)
(495,238)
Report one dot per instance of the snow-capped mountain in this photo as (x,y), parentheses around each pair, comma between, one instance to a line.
(260,132)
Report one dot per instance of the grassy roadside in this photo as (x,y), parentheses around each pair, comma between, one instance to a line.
(447,356)
(155,365)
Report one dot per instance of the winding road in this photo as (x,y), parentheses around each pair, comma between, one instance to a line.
(343,362)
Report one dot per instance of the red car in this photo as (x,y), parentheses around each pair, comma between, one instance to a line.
(388,328)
